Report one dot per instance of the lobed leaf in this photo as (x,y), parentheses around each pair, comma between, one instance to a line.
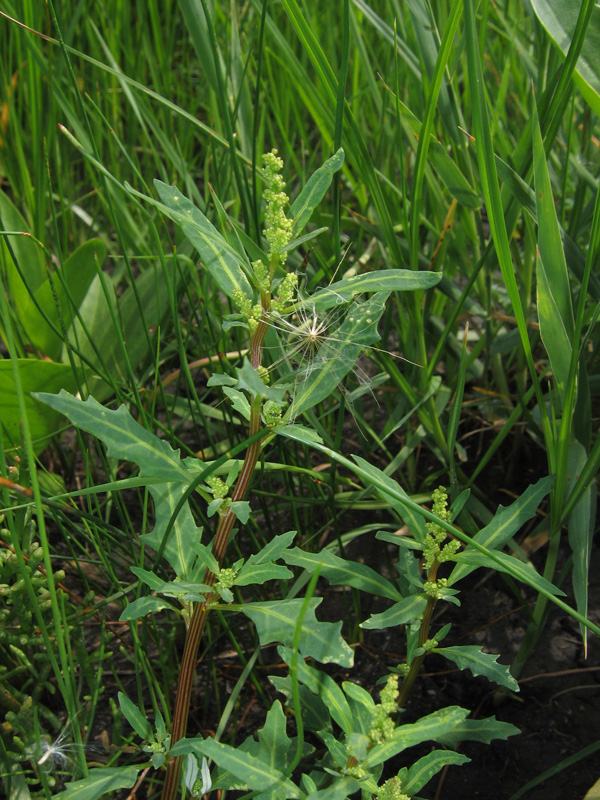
(473,658)
(276,621)
(478,730)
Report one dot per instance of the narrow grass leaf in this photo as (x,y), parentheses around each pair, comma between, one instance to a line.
(580,525)
(559,18)
(549,239)
(552,329)
(276,621)
(473,658)
(314,191)
(338,571)
(430,727)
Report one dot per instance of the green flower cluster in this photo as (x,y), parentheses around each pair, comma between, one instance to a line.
(272,412)
(278,230)
(433,551)
(218,487)
(227,578)
(251,312)
(392,790)
(285,294)
(382,724)
(434,588)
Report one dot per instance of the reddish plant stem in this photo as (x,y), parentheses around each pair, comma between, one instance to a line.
(417,662)
(200,612)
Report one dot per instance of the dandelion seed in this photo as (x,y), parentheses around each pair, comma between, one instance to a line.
(55,754)
(323,349)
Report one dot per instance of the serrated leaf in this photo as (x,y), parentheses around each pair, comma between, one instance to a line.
(324,687)
(238,400)
(276,621)
(478,730)
(400,613)
(275,746)
(220,379)
(314,191)
(340,789)
(426,767)
(273,549)
(126,439)
(339,571)
(220,259)
(427,728)
(144,605)
(473,658)
(123,436)
(241,509)
(134,717)
(99,782)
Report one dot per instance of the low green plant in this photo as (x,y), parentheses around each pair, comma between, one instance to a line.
(357,736)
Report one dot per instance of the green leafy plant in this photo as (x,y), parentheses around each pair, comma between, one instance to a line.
(359,735)
(469,149)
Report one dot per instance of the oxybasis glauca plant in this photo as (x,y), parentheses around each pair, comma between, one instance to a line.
(358,735)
